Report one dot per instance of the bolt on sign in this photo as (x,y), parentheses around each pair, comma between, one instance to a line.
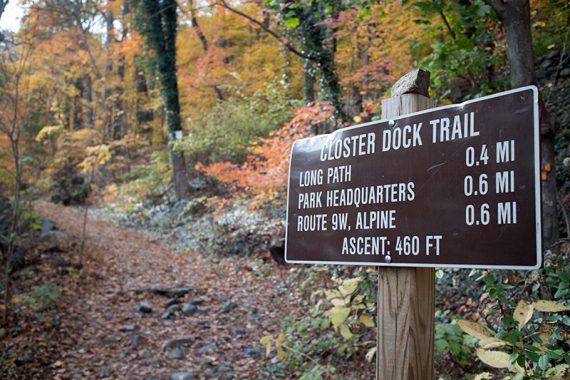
(456,186)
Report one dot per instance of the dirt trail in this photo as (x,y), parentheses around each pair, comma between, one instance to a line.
(232,307)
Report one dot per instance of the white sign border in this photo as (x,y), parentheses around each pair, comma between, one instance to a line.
(537,191)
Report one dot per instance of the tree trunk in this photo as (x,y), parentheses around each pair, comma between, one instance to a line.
(515,16)
(308,81)
(119,127)
(143,113)
(329,79)
(88,117)
(107,93)
(161,33)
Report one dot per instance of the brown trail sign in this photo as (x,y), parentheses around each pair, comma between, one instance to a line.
(455,186)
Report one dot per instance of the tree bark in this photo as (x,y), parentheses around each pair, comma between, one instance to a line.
(515,16)
(316,48)
(161,34)
(119,125)
(88,117)
(308,81)
(107,94)
(143,114)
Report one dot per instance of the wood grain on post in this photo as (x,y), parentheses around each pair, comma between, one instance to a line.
(406,296)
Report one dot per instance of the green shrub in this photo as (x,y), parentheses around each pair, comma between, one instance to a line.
(233,125)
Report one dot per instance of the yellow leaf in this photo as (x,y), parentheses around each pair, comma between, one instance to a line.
(550,306)
(338,302)
(58,363)
(492,342)
(357,119)
(349,286)
(330,294)
(267,341)
(523,313)
(367,320)
(280,352)
(370,354)
(358,299)
(355,306)
(338,315)
(345,331)
(474,329)
(16,300)
(495,359)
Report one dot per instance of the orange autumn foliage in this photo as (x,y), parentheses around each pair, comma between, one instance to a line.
(266,169)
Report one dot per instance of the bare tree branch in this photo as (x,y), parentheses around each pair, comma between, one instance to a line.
(281,40)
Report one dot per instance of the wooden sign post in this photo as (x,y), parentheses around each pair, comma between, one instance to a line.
(406,296)
(456,186)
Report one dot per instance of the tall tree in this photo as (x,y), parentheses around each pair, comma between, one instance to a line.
(159,27)
(515,16)
(307,23)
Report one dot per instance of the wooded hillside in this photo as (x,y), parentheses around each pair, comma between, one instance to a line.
(145,145)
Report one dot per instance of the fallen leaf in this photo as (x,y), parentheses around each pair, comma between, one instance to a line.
(523,313)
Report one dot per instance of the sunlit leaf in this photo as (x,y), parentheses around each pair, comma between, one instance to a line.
(292,22)
(492,342)
(523,313)
(338,315)
(495,359)
(474,329)
(330,294)
(550,306)
(267,341)
(345,331)
(366,320)
(338,302)
(349,286)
